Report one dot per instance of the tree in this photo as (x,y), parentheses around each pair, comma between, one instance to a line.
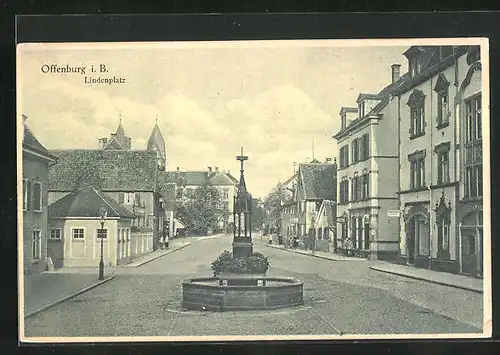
(272,206)
(257,213)
(202,209)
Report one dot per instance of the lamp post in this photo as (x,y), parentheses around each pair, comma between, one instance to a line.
(103,215)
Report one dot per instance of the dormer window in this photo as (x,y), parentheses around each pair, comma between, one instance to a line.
(415,66)
(361,109)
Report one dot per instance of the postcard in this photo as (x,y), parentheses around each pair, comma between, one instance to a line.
(242,190)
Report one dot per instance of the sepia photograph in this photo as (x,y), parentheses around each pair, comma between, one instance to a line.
(246,190)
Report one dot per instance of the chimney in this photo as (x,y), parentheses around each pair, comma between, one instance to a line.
(396,72)
(178,169)
(328,160)
(209,171)
(216,169)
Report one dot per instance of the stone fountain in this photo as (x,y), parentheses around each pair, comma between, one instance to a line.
(229,291)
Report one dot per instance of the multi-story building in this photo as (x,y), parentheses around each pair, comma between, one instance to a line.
(367,174)
(36,161)
(440,145)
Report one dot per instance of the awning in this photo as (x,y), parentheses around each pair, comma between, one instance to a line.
(178,224)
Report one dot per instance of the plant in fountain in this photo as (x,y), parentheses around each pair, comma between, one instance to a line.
(226,263)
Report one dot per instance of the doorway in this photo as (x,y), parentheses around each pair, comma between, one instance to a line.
(471,232)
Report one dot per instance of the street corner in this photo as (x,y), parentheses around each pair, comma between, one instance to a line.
(60,289)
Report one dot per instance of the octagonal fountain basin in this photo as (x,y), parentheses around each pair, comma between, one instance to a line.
(267,293)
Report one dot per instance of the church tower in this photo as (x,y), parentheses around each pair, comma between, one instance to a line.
(157,143)
(117,141)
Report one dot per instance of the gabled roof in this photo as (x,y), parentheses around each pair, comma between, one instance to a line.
(318,181)
(221,179)
(348,109)
(362,97)
(30,142)
(87,202)
(107,170)
(198,178)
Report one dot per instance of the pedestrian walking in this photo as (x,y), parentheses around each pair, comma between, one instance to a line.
(162,241)
(312,239)
(166,238)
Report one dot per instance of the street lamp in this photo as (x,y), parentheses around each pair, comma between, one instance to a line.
(103,215)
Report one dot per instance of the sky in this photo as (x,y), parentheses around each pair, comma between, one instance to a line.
(272,98)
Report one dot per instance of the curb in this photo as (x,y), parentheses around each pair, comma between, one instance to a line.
(50,305)
(159,256)
(431,281)
(317,256)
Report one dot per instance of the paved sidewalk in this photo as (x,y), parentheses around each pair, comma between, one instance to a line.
(317,254)
(174,246)
(442,278)
(42,291)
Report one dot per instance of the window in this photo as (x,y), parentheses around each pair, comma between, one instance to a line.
(25,194)
(364,147)
(473,124)
(443,168)
(37,196)
(443,174)
(35,245)
(364,185)
(417,121)
(102,233)
(121,197)
(474,181)
(361,109)
(443,240)
(137,198)
(344,191)
(355,151)
(416,103)
(473,148)
(415,66)
(353,188)
(225,193)
(344,156)
(55,233)
(443,110)
(129,197)
(417,170)
(78,233)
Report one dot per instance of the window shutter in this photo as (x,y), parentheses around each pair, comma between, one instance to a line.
(28,193)
(121,197)
(367,146)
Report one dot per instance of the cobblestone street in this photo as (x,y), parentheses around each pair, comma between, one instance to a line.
(340,298)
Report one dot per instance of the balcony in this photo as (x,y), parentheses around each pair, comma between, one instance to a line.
(474,152)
